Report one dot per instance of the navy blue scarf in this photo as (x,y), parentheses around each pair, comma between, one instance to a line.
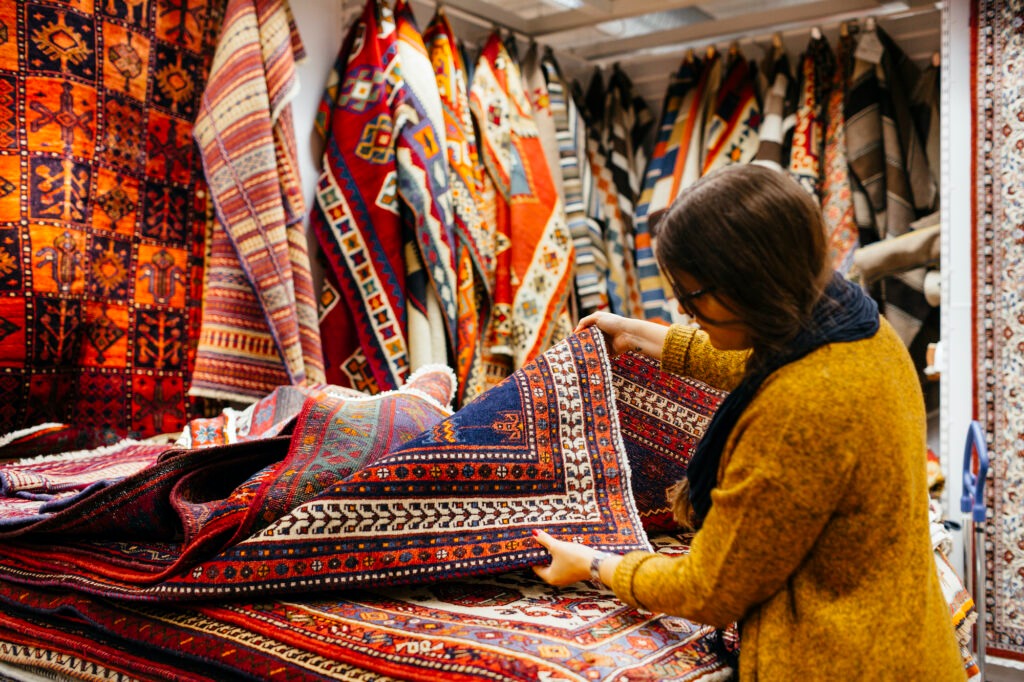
(844,313)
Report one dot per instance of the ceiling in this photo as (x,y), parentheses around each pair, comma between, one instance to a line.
(647,38)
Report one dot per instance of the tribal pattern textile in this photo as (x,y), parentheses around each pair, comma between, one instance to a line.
(731,133)
(356,217)
(536,85)
(623,289)
(662,182)
(267,417)
(662,417)
(508,627)
(359,499)
(259,326)
(581,207)
(998,60)
(534,253)
(474,238)
(422,157)
(692,123)
(627,122)
(817,67)
(29,650)
(836,192)
(33,489)
(102,212)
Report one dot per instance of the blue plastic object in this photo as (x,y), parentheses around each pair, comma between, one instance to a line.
(972,499)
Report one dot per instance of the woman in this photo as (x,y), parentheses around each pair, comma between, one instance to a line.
(808,489)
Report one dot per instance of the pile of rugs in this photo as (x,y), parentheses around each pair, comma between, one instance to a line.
(325,533)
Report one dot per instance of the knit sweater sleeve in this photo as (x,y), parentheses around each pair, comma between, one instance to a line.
(688,352)
(781,483)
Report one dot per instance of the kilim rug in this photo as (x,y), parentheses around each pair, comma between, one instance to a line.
(502,628)
(356,215)
(259,326)
(35,489)
(998,59)
(474,237)
(267,417)
(102,211)
(355,499)
(662,416)
(533,250)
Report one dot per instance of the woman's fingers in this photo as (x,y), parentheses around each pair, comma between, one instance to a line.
(588,321)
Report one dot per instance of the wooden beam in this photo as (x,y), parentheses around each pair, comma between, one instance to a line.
(571,20)
(485,11)
(736,27)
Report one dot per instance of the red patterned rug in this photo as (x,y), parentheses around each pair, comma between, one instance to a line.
(500,628)
(998,60)
(101,212)
(662,416)
(33,490)
(378,490)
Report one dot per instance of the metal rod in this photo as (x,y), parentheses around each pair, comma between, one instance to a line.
(979,576)
(752,35)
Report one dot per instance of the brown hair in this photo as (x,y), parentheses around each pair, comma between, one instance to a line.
(758,238)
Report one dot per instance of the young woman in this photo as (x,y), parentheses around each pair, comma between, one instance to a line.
(808,490)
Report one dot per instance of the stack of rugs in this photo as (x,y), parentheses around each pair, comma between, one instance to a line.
(327,534)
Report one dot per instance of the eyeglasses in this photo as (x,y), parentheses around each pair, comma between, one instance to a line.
(686,298)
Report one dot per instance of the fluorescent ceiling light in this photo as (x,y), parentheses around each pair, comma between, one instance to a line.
(652,23)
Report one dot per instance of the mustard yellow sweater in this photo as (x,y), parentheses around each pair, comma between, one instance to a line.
(817,540)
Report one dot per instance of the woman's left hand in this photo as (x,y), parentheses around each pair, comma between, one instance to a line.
(570,562)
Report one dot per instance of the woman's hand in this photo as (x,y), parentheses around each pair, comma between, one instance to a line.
(624,334)
(570,562)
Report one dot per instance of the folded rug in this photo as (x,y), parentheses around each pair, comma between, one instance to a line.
(368,491)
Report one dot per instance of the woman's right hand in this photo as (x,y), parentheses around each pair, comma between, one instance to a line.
(623,334)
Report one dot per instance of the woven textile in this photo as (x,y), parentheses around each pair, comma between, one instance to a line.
(34,489)
(735,116)
(692,121)
(353,501)
(910,192)
(579,189)
(101,209)
(998,59)
(502,628)
(662,417)
(474,238)
(536,85)
(778,105)
(356,216)
(662,179)
(816,74)
(864,148)
(246,139)
(627,122)
(267,417)
(422,156)
(836,191)
(533,247)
